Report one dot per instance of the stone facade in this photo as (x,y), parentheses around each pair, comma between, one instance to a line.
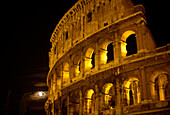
(104,61)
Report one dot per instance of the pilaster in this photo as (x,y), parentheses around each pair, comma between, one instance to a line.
(144,94)
(97,57)
(118,96)
(117,49)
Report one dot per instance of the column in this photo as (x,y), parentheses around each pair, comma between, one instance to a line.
(140,36)
(144,39)
(118,103)
(161,89)
(138,92)
(102,56)
(117,49)
(144,89)
(97,57)
(82,64)
(152,91)
(127,97)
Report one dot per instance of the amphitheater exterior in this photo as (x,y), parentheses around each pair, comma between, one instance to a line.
(104,61)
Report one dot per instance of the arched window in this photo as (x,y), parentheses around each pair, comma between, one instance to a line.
(109,95)
(90,101)
(131,46)
(106,51)
(110,53)
(89,59)
(161,87)
(131,91)
(128,43)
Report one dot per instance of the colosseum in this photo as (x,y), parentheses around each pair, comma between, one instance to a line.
(104,61)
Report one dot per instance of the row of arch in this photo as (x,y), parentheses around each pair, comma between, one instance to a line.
(160,91)
(107,54)
(131,93)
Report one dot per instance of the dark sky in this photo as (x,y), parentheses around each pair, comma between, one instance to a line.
(27,28)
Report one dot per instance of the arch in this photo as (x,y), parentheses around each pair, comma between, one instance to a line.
(106,51)
(89,59)
(158,85)
(128,43)
(89,52)
(131,89)
(157,73)
(89,93)
(77,64)
(126,34)
(66,77)
(109,95)
(90,101)
(131,46)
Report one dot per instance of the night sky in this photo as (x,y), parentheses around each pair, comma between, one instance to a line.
(28,26)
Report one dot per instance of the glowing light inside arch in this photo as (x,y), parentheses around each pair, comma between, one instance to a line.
(88,59)
(123,41)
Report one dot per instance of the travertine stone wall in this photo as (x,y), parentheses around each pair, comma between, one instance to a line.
(81,80)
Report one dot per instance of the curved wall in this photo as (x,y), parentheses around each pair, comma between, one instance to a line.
(85,18)
(93,69)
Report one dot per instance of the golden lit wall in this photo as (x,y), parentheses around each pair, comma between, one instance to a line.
(93,71)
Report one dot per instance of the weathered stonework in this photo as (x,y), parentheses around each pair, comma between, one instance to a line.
(104,60)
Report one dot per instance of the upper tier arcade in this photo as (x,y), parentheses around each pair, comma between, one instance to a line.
(84,19)
(104,60)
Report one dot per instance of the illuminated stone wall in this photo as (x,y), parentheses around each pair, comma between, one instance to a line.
(104,60)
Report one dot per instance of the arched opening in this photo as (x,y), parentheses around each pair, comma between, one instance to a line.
(90,101)
(131,91)
(66,78)
(106,51)
(131,46)
(161,87)
(110,53)
(128,43)
(109,95)
(90,59)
